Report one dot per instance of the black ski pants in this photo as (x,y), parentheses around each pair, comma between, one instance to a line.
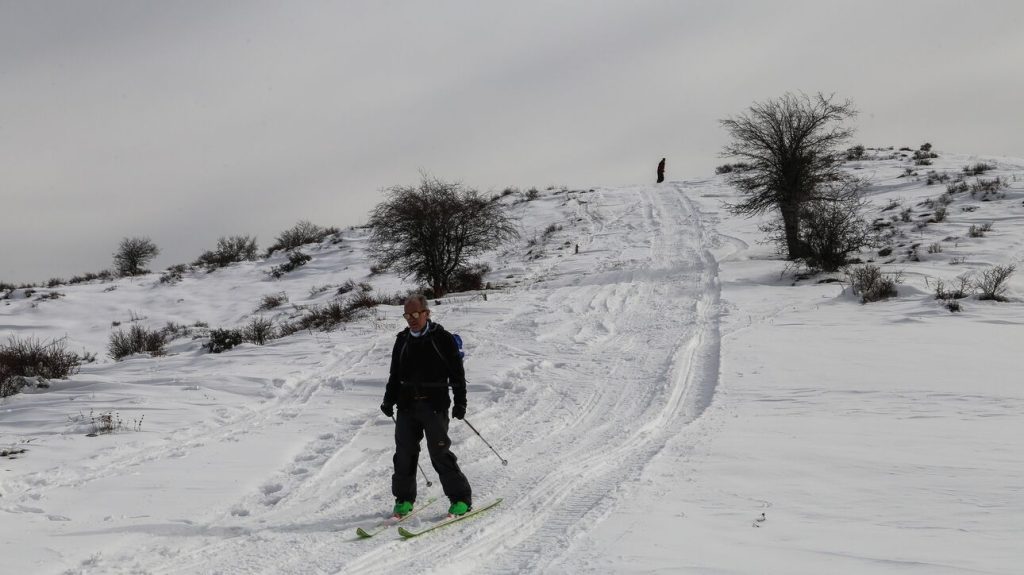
(412,424)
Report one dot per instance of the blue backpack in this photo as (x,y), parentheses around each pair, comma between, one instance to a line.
(457,340)
(458,345)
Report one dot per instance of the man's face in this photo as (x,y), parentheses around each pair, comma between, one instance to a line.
(416,315)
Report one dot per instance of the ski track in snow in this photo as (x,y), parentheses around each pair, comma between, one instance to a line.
(610,354)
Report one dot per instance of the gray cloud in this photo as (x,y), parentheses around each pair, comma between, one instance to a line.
(188,121)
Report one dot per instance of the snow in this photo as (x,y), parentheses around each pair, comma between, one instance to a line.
(668,401)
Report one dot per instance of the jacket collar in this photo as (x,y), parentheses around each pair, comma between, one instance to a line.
(431,326)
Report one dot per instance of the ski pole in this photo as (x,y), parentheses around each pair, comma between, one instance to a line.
(503,460)
(418,464)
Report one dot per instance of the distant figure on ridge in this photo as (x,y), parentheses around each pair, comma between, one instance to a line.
(661,171)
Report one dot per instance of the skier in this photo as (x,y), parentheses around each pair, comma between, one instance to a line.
(424,362)
(661,171)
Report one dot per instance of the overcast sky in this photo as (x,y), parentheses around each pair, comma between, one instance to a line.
(187,121)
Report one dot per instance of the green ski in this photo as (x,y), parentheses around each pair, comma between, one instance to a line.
(446,521)
(390,521)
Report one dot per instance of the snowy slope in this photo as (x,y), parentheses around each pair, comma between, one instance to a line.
(655,394)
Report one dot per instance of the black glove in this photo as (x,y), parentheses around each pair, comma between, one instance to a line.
(459,411)
(388,409)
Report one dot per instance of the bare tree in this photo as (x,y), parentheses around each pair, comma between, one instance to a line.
(133,254)
(431,231)
(792,147)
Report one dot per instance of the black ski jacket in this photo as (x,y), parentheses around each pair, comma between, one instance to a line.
(423,368)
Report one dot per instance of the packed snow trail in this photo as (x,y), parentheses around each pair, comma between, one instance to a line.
(579,377)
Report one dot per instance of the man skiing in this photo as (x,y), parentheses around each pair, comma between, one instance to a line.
(424,363)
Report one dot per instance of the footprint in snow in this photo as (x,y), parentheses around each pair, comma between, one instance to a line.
(272,488)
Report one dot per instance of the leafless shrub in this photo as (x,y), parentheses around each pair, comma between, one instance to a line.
(734,167)
(833,229)
(346,287)
(978,169)
(361,300)
(31,357)
(229,250)
(272,301)
(134,341)
(396,298)
(987,188)
(326,317)
(222,339)
(174,274)
(871,284)
(302,233)
(976,231)
(339,311)
(957,187)
(296,259)
(104,275)
(107,422)
(991,283)
(962,287)
(173,331)
(258,331)
(551,230)
(939,215)
(289,328)
(470,278)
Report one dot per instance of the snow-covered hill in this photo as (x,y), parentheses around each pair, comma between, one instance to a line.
(667,400)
